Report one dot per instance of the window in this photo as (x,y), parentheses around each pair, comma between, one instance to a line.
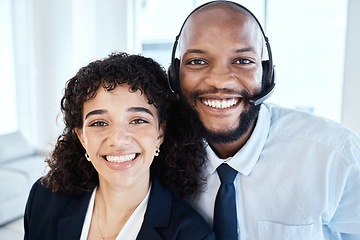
(8,122)
(308,42)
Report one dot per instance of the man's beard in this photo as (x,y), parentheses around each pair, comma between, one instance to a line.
(246,120)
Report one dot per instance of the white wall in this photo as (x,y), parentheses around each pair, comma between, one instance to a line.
(351,94)
(7,89)
(53,40)
(308,41)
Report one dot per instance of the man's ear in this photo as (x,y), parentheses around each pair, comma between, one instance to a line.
(79,134)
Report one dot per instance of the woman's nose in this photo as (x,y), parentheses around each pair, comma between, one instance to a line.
(119,135)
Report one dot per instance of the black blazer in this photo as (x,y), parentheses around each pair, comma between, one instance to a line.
(54,216)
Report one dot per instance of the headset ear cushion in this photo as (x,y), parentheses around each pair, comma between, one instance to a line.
(266,78)
(173,75)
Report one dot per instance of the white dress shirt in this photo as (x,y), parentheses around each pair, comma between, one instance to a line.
(299,178)
(131,227)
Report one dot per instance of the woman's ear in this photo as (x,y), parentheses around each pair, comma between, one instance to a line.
(79,134)
(162,128)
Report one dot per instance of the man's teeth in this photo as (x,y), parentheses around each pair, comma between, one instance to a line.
(224,103)
(120,159)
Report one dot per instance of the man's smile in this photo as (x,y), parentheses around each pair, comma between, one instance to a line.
(220,103)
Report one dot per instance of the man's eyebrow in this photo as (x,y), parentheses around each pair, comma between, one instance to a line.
(248,49)
(240,50)
(194,51)
(140,109)
(95,112)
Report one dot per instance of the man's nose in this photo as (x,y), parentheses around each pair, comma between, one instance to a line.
(221,77)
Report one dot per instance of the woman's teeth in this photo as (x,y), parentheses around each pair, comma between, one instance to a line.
(120,159)
(223,103)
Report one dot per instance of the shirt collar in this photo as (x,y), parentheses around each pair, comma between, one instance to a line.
(246,158)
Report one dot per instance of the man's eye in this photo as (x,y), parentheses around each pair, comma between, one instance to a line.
(196,62)
(243,61)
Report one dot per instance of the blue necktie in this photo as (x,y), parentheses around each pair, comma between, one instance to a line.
(225,217)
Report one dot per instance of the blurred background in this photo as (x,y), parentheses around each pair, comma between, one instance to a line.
(43,43)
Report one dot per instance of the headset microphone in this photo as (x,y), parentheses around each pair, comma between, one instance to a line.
(258,99)
(268,78)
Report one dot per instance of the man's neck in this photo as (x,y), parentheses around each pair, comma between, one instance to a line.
(226,150)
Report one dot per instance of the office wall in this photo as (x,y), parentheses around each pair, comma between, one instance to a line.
(53,39)
(351,92)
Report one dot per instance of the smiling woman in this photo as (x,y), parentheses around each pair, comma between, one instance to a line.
(121,138)
(100,185)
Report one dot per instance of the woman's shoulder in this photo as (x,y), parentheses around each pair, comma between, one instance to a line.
(44,196)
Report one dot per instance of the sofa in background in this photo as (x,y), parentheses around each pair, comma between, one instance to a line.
(20,167)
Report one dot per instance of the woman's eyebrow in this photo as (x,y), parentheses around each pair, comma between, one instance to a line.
(95,112)
(140,109)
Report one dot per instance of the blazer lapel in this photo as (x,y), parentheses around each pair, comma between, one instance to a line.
(158,212)
(70,226)
(147,231)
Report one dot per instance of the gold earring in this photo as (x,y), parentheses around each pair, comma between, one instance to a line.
(87,157)
(157,151)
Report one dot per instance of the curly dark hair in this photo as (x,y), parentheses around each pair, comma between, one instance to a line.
(182,154)
(185,153)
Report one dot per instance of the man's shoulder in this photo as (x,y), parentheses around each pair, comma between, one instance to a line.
(304,125)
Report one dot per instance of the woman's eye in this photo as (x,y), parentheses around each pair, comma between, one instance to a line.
(196,62)
(138,121)
(98,124)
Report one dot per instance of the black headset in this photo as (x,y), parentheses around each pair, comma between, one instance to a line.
(268,78)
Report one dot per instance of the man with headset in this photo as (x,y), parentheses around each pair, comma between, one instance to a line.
(295,176)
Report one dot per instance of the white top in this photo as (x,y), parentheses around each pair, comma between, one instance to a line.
(131,227)
(299,179)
